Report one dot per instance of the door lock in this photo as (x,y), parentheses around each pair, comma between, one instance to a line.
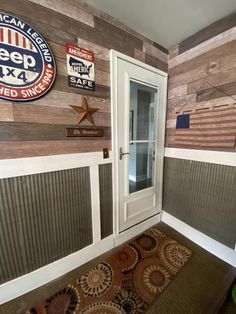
(121,153)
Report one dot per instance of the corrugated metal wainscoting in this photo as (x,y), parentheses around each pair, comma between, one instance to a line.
(43,217)
(203,195)
(106,209)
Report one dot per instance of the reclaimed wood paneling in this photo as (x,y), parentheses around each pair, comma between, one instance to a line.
(99,51)
(110,19)
(160,47)
(68,10)
(51,115)
(63,100)
(204,47)
(118,34)
(139,55)
(202,77)
(6,111)
(17,149)
(220,91)
(215,55)
(67,99)
(208,32)
(227,76)
(61,22)
(13,131)
(153,51)
(156,63)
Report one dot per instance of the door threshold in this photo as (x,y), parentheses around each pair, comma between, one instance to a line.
(135,230)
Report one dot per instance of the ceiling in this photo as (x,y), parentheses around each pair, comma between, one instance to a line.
(167,22)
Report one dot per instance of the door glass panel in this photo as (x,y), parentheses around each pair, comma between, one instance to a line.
(142,113)
(141,166)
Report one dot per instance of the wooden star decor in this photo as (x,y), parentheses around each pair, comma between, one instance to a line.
(85,113)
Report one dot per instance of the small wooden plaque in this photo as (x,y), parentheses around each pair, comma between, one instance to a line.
(84,132)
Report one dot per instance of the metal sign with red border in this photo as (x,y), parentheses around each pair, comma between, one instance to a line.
(80,67)
(27,65)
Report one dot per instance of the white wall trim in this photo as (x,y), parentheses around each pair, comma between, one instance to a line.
(21,285)
(95,200)
(214,157)
(32,165)
(223,252)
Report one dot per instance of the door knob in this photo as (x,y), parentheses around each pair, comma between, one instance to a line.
(121,153)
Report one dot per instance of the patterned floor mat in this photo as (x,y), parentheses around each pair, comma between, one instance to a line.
(128,281)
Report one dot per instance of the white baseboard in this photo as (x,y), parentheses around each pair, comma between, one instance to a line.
(210,156)
(41,276)
(220,250)
(134,231)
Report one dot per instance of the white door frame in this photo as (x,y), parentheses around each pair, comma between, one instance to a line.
(114,56)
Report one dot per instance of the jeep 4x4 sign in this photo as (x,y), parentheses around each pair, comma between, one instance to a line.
(27,65)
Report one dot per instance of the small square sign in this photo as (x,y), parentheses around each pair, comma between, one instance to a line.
(80,67)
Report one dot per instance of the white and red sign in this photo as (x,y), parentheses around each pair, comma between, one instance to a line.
(80,67)
(27,65)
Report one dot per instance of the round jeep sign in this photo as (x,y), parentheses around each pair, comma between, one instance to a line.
(27,65)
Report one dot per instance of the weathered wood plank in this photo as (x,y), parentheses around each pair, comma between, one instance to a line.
(50,115)
(173,144)
(139,55)
(99,51)
(68,10)
(153,51)
(118,34)
(212,57)
(63,100)
(17,149)
(212,103)
(156,63)
(213,93)
(173,52)
(178,91)
(208,32)
(10,131)
(204,47)
(61,84)
(160,47)
(227,76)
(203,71)
(61,22)
(182,101)
(6,111)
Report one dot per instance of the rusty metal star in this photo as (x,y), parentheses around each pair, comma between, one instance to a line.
(85,113)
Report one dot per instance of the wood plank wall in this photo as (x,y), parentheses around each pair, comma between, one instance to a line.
(201,75)
(37,128)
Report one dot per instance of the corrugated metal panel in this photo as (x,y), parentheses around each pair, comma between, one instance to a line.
(202,195)
(43,218)
(106,211)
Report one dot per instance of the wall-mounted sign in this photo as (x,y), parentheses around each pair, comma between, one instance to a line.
(80,67)
(27,65)
(85,113)
(84,132)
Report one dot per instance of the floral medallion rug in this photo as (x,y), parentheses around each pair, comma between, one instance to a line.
(128,281)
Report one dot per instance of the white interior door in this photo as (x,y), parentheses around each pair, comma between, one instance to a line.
(138,141)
